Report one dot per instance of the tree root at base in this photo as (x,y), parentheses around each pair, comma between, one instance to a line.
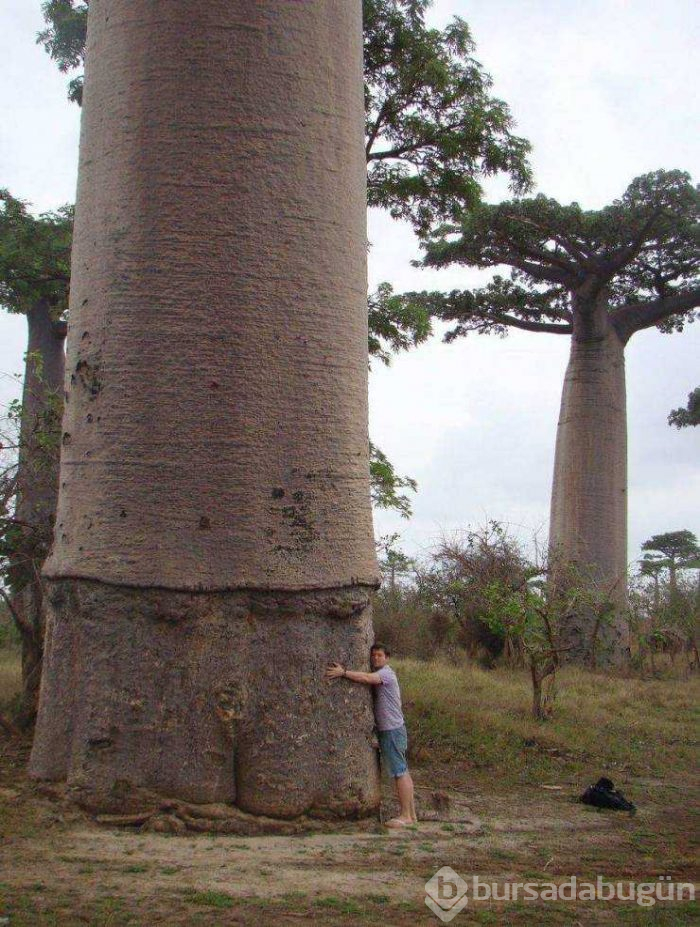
(174,816)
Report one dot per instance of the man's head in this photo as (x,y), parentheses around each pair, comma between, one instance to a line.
(378,655)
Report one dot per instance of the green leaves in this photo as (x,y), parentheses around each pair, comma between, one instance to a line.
(395,324)
(432,126)
(34,256)
(500,305)
(64,39)
(675,545)
(386,484)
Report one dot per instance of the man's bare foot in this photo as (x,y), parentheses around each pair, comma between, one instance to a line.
(399,822)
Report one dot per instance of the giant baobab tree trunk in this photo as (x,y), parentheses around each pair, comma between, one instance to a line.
(213,545)
(588,522)
(37,488)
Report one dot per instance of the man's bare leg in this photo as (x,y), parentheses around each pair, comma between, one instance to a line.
(404,793)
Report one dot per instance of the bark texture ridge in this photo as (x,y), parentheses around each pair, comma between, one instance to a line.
(215,434)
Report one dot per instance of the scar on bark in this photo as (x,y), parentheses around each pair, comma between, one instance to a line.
(87,375)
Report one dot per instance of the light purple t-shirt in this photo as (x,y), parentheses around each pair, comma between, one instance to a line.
(387,701)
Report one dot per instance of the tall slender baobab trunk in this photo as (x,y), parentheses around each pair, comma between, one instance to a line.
(214,543)
(588,522)
(37,489)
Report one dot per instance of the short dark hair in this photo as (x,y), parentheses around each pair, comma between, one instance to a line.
(380,647)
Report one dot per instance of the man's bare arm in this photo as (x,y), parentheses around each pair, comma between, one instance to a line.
(336,671)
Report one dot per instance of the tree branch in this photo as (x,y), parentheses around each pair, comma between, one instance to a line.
(513,322)
(626,254)
(371,138)
(630,319)
(547,274)
(411,146)
(20,621)
(537,254)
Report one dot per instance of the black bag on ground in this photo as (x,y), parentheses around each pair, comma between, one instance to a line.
(604,795)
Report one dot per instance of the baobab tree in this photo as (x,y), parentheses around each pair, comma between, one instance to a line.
(672,618)
(34,276)
(596,277)
(433,129)
(213,545)
(678,549)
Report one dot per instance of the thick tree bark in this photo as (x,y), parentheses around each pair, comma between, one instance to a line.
(37,489)
(588,523)
(214,697)
(214,540)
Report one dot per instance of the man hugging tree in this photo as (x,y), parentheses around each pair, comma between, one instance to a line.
(391,726)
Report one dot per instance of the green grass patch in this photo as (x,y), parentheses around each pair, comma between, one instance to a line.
(212,899)
(342,905)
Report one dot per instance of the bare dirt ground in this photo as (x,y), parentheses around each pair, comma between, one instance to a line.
(58,867)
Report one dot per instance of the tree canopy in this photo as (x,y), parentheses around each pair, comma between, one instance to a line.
(34,256)
(639,255)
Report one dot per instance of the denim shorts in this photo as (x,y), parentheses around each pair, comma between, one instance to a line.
(393,745)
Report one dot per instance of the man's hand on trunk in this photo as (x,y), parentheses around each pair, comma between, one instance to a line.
(334,671)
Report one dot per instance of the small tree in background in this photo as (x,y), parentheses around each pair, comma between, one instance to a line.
(463,571)
(524,613)
(663,625)
(653,567)
(668,611)
(393,562)
(680,550)
(689,416)
(497,598)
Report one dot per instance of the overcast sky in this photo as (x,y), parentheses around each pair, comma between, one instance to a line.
(604,90)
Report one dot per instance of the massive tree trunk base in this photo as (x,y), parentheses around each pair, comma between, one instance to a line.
(152,698)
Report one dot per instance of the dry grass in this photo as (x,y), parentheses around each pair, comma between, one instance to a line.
(641,726)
